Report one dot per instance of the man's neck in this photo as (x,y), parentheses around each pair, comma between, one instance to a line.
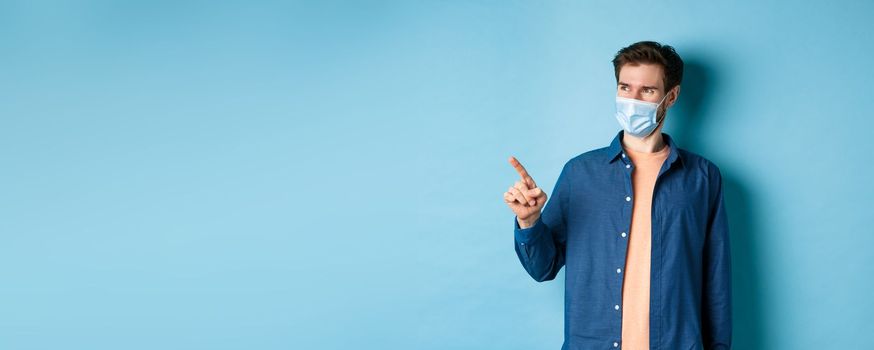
(649,144)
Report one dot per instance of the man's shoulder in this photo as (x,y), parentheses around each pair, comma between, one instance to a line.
(697,163)
(588,158)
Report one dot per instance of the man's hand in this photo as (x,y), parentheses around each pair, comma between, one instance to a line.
(524,197)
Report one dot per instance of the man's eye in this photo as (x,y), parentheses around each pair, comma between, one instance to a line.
(649,91)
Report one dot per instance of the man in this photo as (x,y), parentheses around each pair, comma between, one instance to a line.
(640,226)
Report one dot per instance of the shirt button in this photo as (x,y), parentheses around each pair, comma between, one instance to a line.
(623,234)
(616,307)
(615,344)
(623,155)
(628,199)
(627,166)
(618,270)
(522,243)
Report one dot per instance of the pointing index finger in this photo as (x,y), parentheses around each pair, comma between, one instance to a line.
(522,172)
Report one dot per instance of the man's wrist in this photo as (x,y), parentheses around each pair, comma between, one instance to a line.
(527,223)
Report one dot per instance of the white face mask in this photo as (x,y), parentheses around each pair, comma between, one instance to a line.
(637,117)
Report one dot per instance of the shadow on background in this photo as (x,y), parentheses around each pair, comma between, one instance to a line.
(700,80)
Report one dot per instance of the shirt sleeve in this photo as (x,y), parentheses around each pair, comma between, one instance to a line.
(541,248)
(717,273)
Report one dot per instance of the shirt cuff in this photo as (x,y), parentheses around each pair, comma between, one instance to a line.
(526,235)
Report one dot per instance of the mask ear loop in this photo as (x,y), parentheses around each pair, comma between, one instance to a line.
(664,98)
(666,109)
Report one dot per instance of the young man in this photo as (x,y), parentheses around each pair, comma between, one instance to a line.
(640,226)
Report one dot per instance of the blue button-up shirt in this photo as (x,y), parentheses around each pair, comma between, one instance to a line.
(584,227)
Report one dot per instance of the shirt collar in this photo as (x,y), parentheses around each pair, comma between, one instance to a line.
(615,149)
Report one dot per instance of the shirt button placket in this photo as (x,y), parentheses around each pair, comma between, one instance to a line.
(623,234)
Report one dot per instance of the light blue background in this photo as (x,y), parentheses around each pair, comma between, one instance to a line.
(329,175)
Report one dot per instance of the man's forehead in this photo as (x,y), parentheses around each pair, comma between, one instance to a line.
(641,75)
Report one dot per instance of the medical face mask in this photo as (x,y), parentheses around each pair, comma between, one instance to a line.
(637,117)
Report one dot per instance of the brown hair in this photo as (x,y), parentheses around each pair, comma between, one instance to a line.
(652,52)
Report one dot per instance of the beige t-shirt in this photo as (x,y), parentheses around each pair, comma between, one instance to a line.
(635,288)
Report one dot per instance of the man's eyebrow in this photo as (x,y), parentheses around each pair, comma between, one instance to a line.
(645,86)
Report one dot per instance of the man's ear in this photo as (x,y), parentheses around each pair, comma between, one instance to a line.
(673,99)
